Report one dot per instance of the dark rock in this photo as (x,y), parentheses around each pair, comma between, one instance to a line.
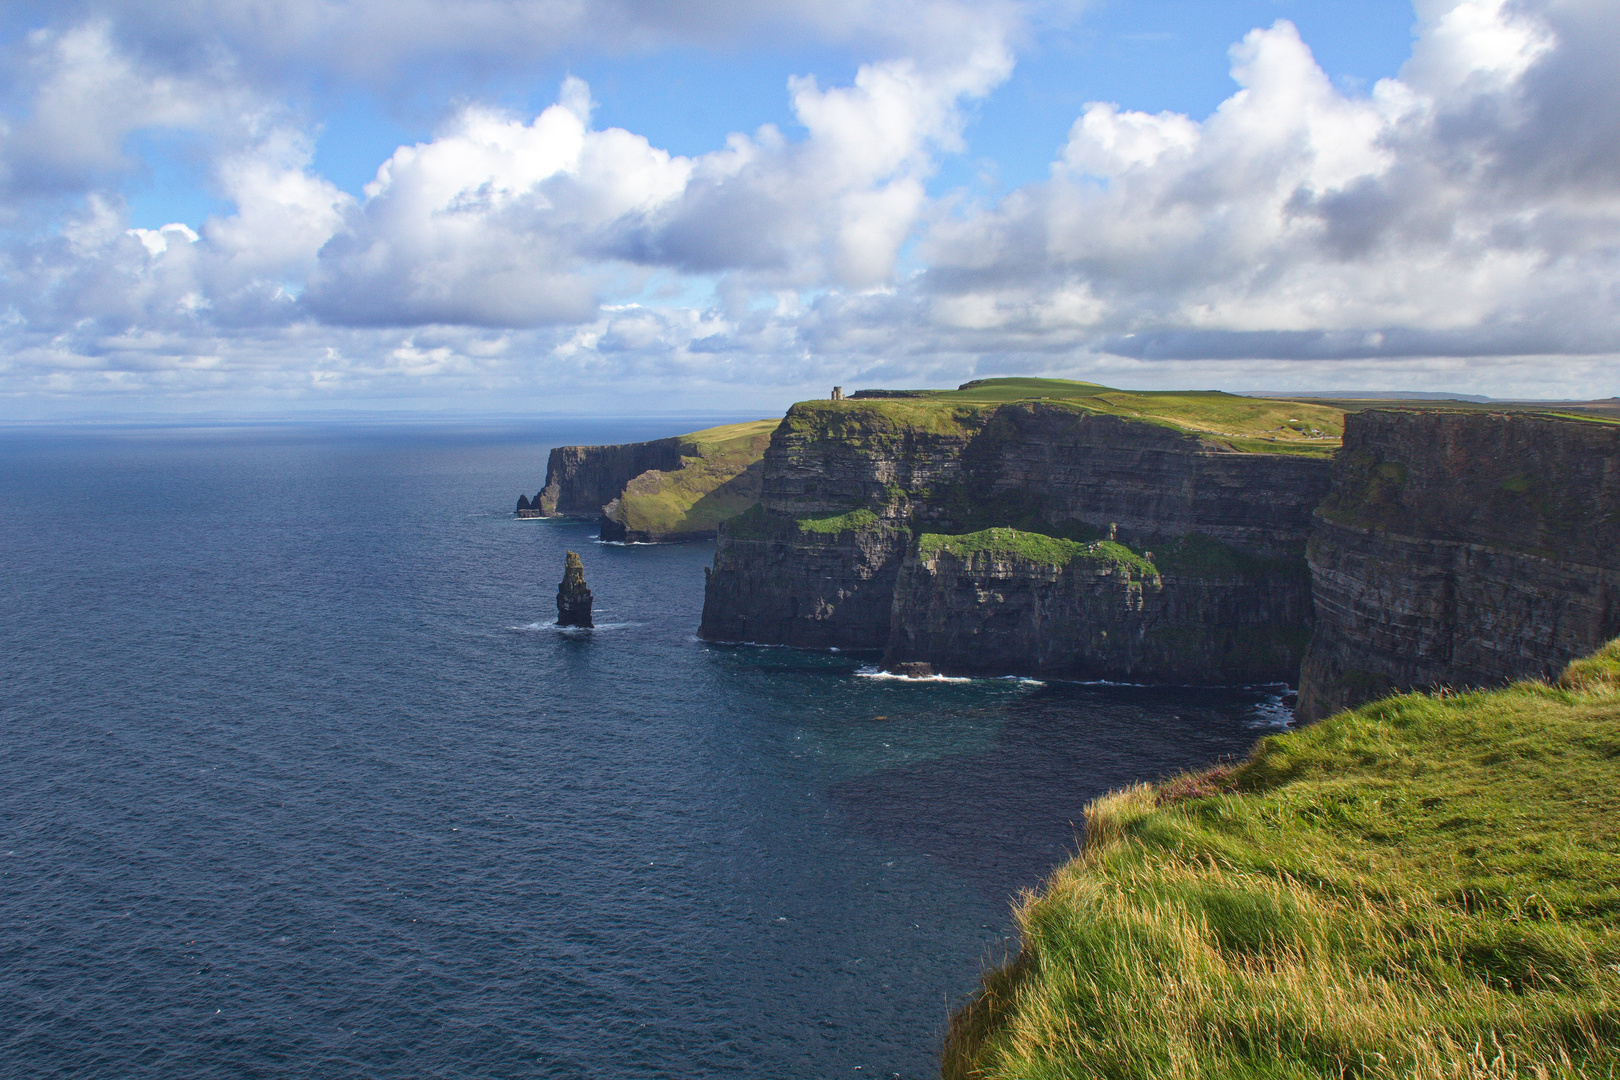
(522,503)
(914,670)
(827,559)
(573,598)
(1461,549)
(580,480)
(1230,620)
(611,530)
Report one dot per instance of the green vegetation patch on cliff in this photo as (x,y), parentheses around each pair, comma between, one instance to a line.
(757,523)
(1252,425)
(1034,547)
(718,479)
(852,521)
(1427,886)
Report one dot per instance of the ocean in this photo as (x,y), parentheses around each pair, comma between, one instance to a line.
(300,781)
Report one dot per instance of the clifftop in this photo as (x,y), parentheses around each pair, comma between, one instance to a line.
(1254,425)
(1424,887)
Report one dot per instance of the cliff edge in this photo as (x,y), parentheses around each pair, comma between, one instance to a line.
(1424,887)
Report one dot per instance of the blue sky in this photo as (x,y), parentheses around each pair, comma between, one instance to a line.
(1168,55)
(637,205)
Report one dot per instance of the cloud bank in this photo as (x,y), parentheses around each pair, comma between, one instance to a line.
(1459,224)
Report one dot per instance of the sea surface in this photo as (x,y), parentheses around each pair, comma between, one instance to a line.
(298,780)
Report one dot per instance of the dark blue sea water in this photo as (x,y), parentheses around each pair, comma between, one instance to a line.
(298,781)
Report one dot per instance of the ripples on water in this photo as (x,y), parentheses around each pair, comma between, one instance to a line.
(299,781)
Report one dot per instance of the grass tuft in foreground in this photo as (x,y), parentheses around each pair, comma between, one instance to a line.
(1422,887)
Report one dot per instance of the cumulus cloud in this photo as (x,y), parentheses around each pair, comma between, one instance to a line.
(502,222)
(1465,208)
(1463,216)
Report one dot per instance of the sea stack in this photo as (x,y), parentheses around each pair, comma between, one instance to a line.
(573,598)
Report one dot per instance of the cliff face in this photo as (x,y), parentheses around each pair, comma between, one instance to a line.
(665,490)
(817,585)
(814,564)
(1195,612)
(1047,466)
(834,555)
(580,480)
(718,477)
(1461,549)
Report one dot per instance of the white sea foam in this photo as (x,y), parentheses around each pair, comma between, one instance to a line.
(1271,715)
(572,631)
(878,673)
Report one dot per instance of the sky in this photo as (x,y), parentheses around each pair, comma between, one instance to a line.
(288,207)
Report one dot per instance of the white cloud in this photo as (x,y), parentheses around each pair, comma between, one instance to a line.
(1428,217)
(504,223)
(1466,214)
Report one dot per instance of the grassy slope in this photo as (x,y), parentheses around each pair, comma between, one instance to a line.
(709,487)
(1423,887)
(1261,425)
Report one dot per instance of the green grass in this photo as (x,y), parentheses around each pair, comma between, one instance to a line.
(879,421)
(853,521)
(1034,547)
(718,479)
(1254,425)
(1427,886)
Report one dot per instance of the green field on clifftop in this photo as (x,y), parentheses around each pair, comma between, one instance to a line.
(718,479)
(1263,425)
(1427,886)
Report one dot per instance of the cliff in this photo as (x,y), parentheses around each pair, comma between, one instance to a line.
(581,479)
(671,489)
(717,477)
(1008,602)
(1461,549)
(858,539)
(1424,887)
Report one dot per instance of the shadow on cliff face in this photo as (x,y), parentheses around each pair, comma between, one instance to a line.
(1003,818)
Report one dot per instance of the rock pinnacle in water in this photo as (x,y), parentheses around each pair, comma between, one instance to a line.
(573,598)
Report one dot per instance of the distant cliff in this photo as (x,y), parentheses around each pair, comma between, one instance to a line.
(871,533)
(580,480)
(1461,549)
(678,488)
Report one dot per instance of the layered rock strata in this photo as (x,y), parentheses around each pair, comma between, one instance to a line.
(1002,602)
(580,480)
(662,491)
(1461,549)
(838,552)
(573,596)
